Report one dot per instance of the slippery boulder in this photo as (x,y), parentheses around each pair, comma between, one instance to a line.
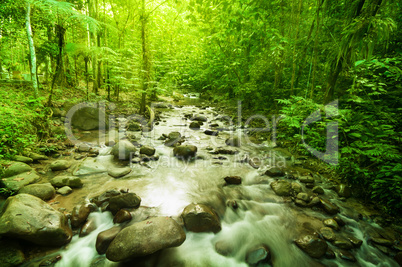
(123,150)
(144,238)
(185,152)
(80,214)
(200,218)
(29,218)
(128,200)
(18,181)
(16,168)
(89,118)
(313,246)
(281,187)
(62,180)
(106,237)
(42,191)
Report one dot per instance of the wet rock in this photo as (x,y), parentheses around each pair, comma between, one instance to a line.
(224,151)
(199,118)
(144,238)
(200,218)
(83,147)
(346,255)
(330,254)
(306,179)
(110,143)
(343,190)
(185,152)
(147,150)
(50,260)
(398,258)
(383,249)
(62,180)
(232,203)
(80,214)
(133,126)
(60,165)
(22,217)
(65,190)
(105,196)
(233,141)
(296,187)
(339,221)
(123,150)
(22,159)
(128,201)
(343,243)
(104,238)
(89,118)
(281,187)
(313,246)
(16,182)
(16,168)
(258,255)
(329,207)
(332,224)
(211,132)
(275,172)
(119,172)
(303,196)
(318,190)
(328,234)
(194,125)
(173,139)
(36,156)
(382,241)
(10,254)
(355,241)
(42,191)
(314,202)
(88,227)
(233,179)
(122,216)
(224,248)
(301,203)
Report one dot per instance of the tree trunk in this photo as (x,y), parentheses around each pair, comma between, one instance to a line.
(145,59)
(294,48)
(315,53)
(31,50)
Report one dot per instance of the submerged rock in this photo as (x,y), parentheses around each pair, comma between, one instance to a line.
(313,246)
(42,191)
(258,255)
(123,150)
(185,152)
(281,188)
(29,218)
(144,238)
(65,190)
(200,218)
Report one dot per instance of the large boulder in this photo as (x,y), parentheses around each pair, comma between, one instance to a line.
(16,168)
(123,150)
(144,238)
(42,191)
(281,187)
(106,237)
(89,118)
(63,180)
(185,152)
(29,218)
(80,214)
(124,201)
(200,218)
(16,182)
(313,246)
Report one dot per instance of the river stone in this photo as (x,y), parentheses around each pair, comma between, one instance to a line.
(355,241)
(63,180)
(199,118)
(185,152)
(342,242)
(83,147)
(42,191)
(211,132)
(10,254)
(233,141)
(119,172)
(133,125)
(313,246)
(200,218)
(331,223)
(88,227)
(398,258)
(306,179)
(144,238)
(328,233)
(65,190)
(122,216)
(382,241)
(328,207)
(147,150)
(224,247)
(303,196)
(60,165)
(22,159)
(301,203)
(346,255)
(80,214)
(330,254)
(36,156)
(296,187)
(127,200)
(233,179)
(194,125)
(123,150)
(29,218)
(16,168)
(339,221)
(105,196)
(343,190)
(314,202)
(275,172)
(89,166)
(318,190)
(89,118)
(15,183)
(281,187)
(258,255)
(106,237)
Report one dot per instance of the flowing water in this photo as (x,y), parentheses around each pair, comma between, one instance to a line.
(168,185)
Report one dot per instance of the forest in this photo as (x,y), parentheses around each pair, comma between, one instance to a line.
(230,117)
